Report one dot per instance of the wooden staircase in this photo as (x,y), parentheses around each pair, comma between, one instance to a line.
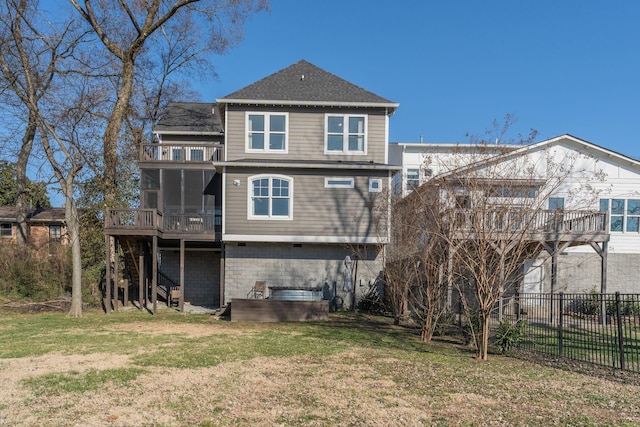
(167,289)
(131,252)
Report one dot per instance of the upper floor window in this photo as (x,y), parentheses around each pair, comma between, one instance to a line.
(267,132)
(556,203)
(624,214)
(339,182)
(6,229)
(55,232)
(196,154)
(345,134)
(413,178)
(270,197)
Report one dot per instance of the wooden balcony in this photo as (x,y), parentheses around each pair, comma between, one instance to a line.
(148,222)
(539,225)
(182,153)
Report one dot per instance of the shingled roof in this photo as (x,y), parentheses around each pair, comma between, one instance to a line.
(306,83)
(9,214)
(190,117)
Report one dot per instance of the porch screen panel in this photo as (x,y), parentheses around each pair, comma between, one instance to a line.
(150,184)
(172,190)
(193,189)
(209,191)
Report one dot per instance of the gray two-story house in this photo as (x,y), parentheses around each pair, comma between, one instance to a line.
(283,181)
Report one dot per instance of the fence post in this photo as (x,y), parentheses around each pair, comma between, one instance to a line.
(560,321)
(620,336)
(516,303)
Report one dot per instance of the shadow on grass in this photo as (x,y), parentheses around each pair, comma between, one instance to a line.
(375,331)
(578,366)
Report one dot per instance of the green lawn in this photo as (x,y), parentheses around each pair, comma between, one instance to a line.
(130,368)
(595,344)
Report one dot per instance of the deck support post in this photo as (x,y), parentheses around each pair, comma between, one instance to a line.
(603,252)
(116,273)
(554,275)
(141,275)
(222,255)
(154,275)
(181,303)
(107,285)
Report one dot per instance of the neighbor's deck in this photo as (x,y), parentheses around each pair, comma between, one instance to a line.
(574,226)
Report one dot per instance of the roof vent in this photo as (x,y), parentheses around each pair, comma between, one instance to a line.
(302,78)
(213,110)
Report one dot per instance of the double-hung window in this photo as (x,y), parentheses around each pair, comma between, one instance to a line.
(55,232)
(345,134)
(624,214)
(6,229)
(413,178)
(270,197)
(267,132)
(556,203)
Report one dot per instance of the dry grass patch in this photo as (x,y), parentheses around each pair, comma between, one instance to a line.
(351,370)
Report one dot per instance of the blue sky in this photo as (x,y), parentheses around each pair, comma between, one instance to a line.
(560,66)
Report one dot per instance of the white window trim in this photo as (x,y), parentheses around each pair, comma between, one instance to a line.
(270,217)
(419,179)
(372,189)
(266,148)
(345,140)
(328,184)
(625,214)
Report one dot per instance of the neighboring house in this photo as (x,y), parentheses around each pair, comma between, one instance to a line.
(596,183)
(422,161)
(276,182)
(46,229)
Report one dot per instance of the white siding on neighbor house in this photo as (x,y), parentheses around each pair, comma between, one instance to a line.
(434,159)
(594,174)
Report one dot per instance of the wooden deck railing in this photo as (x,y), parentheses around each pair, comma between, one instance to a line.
(139,219)
(151,219)
(534,221)
(193,223)
(182,153)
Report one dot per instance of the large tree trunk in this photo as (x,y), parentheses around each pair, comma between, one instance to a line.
(22,196)
(112,133)
(73,230)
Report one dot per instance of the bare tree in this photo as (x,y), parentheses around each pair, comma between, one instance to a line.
(28,65)
(416,260)
(491,212)
(124,28)
(57,104)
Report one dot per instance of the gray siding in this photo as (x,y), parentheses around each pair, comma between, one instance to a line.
(580,272)
(317,211)
(306,135)
(201,274)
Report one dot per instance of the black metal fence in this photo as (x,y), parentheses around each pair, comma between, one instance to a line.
(600,329)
